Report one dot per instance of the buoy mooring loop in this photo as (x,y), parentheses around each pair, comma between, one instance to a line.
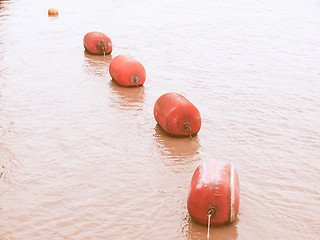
(211,211)
(187,127)
(135,79)
(102,45)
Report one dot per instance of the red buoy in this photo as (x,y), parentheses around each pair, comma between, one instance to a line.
(176,115)
(97,43)
(127,71)
(215,191)
(53,12)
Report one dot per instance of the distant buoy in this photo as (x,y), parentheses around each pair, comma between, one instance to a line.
(215,191)
(176,115)
(97,43)
(52,12)
(127,71)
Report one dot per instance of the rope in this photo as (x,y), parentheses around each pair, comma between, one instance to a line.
(211,212)
(208,233)
(188,128)
(104,51)
(102,46)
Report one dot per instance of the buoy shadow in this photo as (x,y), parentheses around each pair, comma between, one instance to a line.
(194,230)
(176,147)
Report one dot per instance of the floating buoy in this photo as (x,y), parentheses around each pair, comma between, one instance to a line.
(127,71)
(52,12)
(176,115)
(214,191)
(97,43)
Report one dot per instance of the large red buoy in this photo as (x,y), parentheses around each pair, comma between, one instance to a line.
(176,115)
(97,43)
(215,191)
(127,71)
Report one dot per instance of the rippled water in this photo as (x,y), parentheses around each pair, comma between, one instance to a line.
(82,158)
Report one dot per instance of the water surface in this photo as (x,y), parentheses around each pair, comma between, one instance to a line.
(82,158)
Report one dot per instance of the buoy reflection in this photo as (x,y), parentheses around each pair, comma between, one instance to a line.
(184,148)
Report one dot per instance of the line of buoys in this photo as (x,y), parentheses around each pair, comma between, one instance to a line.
(127,71)
(97,43)
(52,12)
(214,191)
(176,115)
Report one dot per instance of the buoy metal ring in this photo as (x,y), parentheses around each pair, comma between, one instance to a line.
(211,211)
(102,45)
(135,78)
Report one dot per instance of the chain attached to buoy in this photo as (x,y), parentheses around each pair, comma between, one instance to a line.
(211,211)
(102,46)
(104,51)
(188,128)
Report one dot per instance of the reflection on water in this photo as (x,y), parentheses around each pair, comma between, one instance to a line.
(3,5)
(7,157)
(8,163)
(178,154)
(97,64)
(176,148)
(8,160)
(192,230)
(129,98)
(82,155)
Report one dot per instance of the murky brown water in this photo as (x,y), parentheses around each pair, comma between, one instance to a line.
(82,158)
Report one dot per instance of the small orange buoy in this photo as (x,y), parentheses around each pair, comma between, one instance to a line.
(127,71)
(214,191)
(176,115)
(97,43)
(52,12)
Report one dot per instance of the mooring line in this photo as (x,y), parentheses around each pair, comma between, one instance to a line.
(211,212)
(208,233)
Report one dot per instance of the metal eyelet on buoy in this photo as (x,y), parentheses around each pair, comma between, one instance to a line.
(211,211)
(135,78)
(102,46)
